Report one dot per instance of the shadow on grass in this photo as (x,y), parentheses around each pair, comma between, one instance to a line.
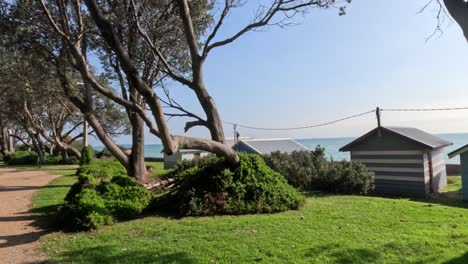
(460,260)
(109,254)
(28,188)
(336,253)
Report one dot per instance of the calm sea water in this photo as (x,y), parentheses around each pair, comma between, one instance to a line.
(332,146)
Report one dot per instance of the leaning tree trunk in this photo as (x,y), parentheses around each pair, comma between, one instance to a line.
(137,167)
(107,141)
(38,147)
(458,9)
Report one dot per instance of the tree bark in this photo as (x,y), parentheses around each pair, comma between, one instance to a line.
(4,138)
(107,141)
(137,167)
(458,9)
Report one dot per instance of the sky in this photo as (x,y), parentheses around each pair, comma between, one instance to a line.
(327,67)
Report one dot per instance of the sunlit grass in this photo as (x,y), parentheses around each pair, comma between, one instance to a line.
(329,229)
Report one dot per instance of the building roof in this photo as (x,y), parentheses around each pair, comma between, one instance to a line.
(458,151)
(231,141)
(413,134)
(267,146)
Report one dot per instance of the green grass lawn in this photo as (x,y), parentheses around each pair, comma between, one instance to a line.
(158,168)
(49,198)
(329,229)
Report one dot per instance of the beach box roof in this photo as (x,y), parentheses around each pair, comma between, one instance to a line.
(267,146)
(424,139)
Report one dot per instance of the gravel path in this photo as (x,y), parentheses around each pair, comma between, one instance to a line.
(19,231)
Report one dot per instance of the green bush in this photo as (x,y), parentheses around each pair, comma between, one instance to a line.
(211,187)
(53,160)
(311,170)
(102,169)
(87,156)
(72,161)
(23,158)
(92,203)
(21,147)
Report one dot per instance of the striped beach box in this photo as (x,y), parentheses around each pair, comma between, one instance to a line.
(406,161)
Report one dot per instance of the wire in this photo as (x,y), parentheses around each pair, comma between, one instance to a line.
(423,109)
(302,127)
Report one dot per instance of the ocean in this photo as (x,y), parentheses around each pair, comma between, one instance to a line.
(332,146)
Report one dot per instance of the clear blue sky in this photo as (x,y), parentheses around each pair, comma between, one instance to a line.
(328,67)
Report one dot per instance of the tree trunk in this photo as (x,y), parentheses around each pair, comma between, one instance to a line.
(137,167)
(107,141)
(39,148)
(11,141)
(220,149)
(4,138)
(64,154)
(458,9)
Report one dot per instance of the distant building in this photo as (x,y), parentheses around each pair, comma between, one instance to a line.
(406,161)
(463,152)
(183,154)
(267,146)
(170,161)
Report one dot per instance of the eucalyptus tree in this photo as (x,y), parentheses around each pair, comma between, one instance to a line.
(105,117)
(458,9)
(175,38)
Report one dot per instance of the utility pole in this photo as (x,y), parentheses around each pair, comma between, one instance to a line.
(236,135)
(377,113)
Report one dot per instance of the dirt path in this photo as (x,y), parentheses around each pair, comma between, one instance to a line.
(19,232)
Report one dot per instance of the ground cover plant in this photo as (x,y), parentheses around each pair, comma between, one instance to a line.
(311,170)
(209,186)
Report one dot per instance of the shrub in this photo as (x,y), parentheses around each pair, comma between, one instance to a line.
(299,167)
(21,147)
(23,158)
(102,169)
(311,170)
(87,156)
(53,160)
(92,203)
(72,161)
(347,177)
(211,187)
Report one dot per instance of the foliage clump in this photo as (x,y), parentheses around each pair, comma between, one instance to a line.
(102,169)
(311,170)
(210,187)
(95,200)
(22,158)
(87,155)
(31,158)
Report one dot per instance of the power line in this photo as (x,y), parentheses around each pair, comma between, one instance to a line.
(301,127)
(423,109)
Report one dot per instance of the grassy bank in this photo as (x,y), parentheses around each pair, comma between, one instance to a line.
(329,229)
